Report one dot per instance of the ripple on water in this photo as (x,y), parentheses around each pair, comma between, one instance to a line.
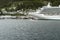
(16,29)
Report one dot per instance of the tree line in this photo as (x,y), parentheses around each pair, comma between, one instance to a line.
(27,4)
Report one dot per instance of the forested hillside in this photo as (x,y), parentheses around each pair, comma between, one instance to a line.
(27,4)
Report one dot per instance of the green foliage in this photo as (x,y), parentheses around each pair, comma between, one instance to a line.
(27,4)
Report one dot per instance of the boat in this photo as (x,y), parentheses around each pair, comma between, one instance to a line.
(48,12)
(42,16)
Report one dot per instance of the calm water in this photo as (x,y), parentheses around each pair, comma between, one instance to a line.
(16,29)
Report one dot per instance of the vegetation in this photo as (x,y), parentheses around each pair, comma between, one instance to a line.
(26,4)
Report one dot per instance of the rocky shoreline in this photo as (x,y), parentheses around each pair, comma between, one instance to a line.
(17,17)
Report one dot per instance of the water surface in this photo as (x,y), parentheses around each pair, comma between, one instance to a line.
(19,29)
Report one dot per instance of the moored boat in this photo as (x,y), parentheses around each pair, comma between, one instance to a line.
(47,12)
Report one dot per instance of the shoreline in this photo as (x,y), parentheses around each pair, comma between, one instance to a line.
(17,17)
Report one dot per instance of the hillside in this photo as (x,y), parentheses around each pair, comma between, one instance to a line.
(27,4)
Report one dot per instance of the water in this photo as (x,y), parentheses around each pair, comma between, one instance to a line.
(17,29)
